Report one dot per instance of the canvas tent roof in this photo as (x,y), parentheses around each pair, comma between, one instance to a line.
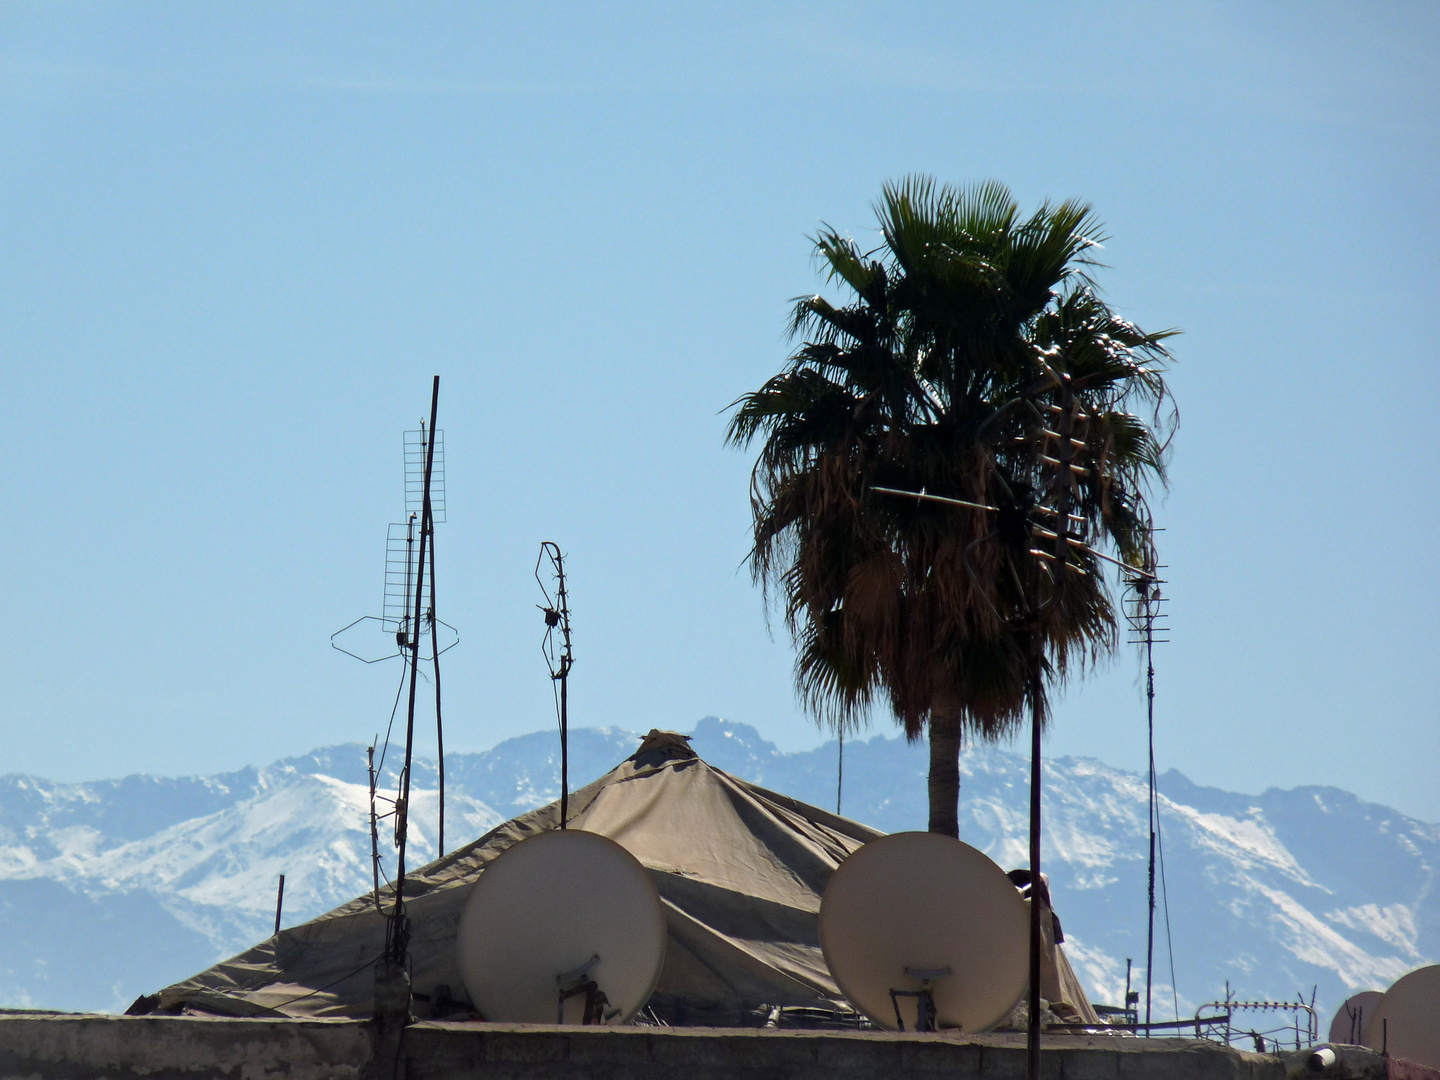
(740,871)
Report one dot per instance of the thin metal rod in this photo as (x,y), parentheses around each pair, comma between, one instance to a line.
(1032,1025)
(411,632)
(374,830)
(564,692)
(279,902)
(921,495)
(564,750)
(840,774)
(1150,726)
(1134,570)
(397,944)
(435,660)
(557,613)
(1061,561)
(1159,1025)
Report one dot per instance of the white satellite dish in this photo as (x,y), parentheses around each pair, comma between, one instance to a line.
(564,927)
(1407,1019)
(915,919)
(1351,1018)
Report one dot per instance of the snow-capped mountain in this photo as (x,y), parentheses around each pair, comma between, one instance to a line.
(127,882)
(1278,893)
(115,888)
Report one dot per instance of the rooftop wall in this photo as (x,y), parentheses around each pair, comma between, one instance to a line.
(79,1047)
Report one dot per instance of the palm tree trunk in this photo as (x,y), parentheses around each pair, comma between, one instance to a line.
(945,772)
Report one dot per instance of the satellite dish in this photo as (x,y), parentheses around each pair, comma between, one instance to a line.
(1350,1019)
(916,922)
(564,927)
(1407,1019)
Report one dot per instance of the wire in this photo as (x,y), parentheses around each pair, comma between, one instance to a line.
(332,982)
(380,859)
(555,693)
(393,710)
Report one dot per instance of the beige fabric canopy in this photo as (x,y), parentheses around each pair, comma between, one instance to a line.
(740,871)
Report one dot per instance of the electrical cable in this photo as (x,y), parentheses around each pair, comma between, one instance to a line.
(393,710)
(332,982)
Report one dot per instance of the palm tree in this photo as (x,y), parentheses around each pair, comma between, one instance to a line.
(961,336)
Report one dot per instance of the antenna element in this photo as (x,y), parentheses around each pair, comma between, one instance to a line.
(558,656)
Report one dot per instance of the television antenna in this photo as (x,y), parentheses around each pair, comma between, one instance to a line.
(407,618)
(401,634)
(1026,521)
(398,631)
(559,657)
(1146,615)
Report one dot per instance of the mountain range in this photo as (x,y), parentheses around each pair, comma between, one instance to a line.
(115,888)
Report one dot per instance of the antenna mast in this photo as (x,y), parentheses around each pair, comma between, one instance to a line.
(397,933)
(1146,611)
(1030,521)
(429,511)
(408,612)
(1062,486)
(558,657)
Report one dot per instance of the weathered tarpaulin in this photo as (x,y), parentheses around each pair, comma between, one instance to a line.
(740,870)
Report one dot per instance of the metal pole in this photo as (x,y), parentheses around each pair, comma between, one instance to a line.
(564,751)
(564,692)
(374,831)
(1032,1026)
(1150,723)
(279,902)
(435,660)
(1064,455)
(840,774)
(397,944)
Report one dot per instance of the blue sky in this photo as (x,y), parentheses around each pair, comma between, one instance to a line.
(237,240)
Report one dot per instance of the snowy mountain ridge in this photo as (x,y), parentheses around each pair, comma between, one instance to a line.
(131,884)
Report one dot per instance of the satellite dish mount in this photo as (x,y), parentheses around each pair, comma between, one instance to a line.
(925,1014)
(575,983)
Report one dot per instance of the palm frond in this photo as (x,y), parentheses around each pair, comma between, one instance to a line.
(933,371)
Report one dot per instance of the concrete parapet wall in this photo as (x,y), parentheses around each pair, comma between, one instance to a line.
(516,1053)
(196,1048)
(166,1047)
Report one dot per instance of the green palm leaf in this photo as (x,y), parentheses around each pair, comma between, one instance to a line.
(937,370)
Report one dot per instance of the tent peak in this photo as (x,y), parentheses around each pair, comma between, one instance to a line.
(658,746)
